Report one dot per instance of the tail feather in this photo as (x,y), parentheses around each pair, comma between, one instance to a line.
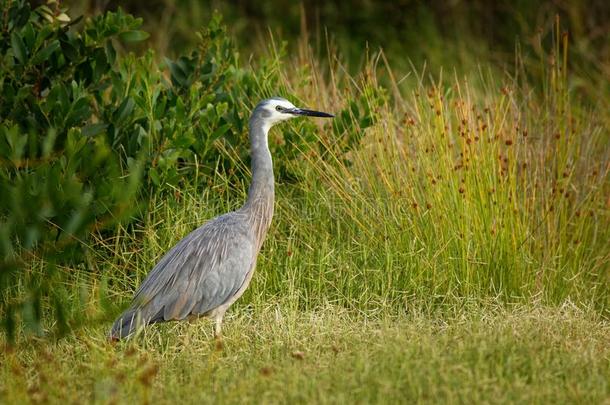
(131,320)
(126,324)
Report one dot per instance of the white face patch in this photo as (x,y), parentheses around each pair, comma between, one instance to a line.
(276,108)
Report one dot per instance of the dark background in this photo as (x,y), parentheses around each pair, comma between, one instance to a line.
(448,33)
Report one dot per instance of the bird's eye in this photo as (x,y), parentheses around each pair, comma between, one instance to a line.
(279,108)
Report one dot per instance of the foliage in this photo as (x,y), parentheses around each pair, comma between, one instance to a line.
(61,175)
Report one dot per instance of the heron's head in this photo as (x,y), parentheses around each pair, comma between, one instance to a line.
(277,109)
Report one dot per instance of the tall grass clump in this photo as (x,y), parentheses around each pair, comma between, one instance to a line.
(454,192)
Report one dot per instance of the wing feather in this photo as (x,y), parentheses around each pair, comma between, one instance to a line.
(202,272)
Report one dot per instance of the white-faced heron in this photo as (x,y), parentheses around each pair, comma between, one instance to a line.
(211,267)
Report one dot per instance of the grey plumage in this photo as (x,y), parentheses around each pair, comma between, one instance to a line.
(208,270)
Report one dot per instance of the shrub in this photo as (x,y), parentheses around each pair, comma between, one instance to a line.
(62,173)
(87,133)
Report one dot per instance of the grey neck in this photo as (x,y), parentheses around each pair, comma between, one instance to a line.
(261,194)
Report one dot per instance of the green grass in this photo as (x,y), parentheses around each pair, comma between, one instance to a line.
(272,354)
(458,253)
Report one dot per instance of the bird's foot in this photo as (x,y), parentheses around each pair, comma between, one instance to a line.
(219,342)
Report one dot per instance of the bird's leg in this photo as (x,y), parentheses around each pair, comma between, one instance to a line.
(218,328)
(218,331)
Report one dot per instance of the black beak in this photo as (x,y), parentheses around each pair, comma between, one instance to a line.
(310,113)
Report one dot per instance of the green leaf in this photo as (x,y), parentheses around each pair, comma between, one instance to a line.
(124,111)
(42,34)
(133,36)
(18,47)
(94,129)
(154,176)
(48,143)
(110,53)
(69,50)
(181,71)
(177,74)
(29,36)
(45,52)
(220,131)
(79,112)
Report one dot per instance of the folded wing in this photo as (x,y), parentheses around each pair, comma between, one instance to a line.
(202,272)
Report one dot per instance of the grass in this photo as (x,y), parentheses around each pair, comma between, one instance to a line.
(436,243)
(275,355)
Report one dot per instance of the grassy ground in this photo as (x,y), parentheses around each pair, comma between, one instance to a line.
(273,355)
